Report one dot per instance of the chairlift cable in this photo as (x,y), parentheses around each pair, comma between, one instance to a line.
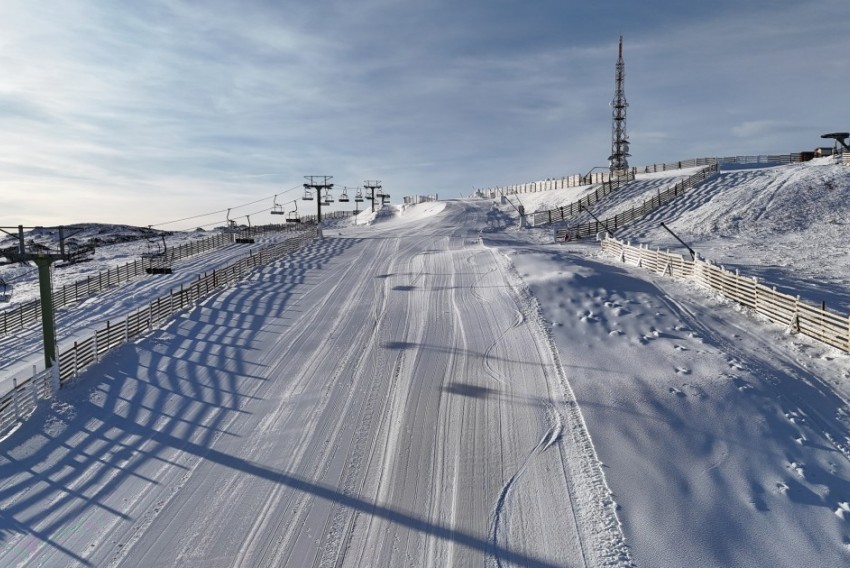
(224,210)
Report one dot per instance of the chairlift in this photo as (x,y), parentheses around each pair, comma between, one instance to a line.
(5,290)
(154,248)
(358,197)
(328,197)
(245,238)
(156,258)
(277,209)
(343,198)
(231,224)
(292,216)
(307,195)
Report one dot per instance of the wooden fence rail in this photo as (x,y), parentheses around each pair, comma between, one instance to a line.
(30,312)
(784,309)
(75,358)
(602,177)
(657,200)
(565,212)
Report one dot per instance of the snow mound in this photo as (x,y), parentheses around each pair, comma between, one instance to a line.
(400,214)
(788,199)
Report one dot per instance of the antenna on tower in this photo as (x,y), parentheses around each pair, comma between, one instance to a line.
(617,161)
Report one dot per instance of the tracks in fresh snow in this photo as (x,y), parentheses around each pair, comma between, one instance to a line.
(383,398)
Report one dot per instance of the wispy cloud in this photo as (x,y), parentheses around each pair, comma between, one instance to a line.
(120,111)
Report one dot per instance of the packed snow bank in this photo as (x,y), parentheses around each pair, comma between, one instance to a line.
(391,215)
(721,445)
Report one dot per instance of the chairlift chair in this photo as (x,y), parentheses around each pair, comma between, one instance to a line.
(231,224)
(307,195)
(328,197)
(156,258)
(292,216)
(358,197)
(277,209)
(343,198)
(5,291)
(158,265)
(245,238)
(154,248)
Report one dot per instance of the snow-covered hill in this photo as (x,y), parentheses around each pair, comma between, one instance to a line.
(787,225)
(439,387)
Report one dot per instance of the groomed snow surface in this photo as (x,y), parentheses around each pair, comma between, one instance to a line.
(441,388)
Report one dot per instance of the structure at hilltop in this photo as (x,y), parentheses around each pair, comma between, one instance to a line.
(619,139)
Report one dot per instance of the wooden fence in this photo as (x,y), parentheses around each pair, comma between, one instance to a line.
(592,178)
(328,215)
(611,224)
(75,358)
(784,309)
(29,313)
(561,213)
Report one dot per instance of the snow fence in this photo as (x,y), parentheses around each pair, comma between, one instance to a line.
(20,402)
(784,309)
(30,312)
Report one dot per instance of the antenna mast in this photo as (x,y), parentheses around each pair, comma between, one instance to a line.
(619,140)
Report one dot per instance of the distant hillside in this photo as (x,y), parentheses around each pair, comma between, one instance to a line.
(95,234)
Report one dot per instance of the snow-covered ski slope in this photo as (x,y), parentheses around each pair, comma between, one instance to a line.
(443,389)
(385,398)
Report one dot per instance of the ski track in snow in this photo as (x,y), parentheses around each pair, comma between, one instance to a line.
(364,402)
(411,393)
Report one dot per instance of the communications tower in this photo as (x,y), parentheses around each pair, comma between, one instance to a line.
(619,140)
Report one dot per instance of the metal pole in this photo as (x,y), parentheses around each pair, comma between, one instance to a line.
(675,236)
(583,208)
(48,324)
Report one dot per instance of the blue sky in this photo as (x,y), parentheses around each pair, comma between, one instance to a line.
(150,111)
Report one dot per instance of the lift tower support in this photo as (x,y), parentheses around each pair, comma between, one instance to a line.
(317,185)
(372,185)
(43,259)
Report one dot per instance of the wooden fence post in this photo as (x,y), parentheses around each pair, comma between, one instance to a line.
(794,325)
(756,293)
(15,399)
